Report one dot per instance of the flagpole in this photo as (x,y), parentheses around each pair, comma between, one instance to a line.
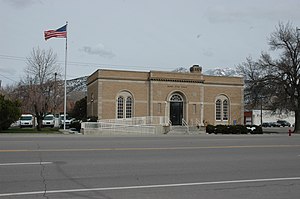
(65,94)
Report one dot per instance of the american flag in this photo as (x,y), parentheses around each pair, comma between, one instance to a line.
(59,33)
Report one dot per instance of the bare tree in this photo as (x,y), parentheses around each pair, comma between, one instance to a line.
(39,84)
(277,79)
(254,88)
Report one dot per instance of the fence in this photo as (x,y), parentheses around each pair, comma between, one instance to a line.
(137,125)
(147,120)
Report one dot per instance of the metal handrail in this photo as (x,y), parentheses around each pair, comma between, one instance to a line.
(147,120)
(185,124)
(113,127)
(137,124)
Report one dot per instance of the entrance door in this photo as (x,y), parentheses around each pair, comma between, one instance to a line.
(176,113)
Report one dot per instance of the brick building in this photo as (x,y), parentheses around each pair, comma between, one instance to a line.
(193,97)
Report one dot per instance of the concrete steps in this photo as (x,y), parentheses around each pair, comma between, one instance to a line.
(183,130)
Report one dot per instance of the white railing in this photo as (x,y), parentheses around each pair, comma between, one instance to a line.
(198,123)
(170,124)
(195,122)
(142,125)
(185,124)
(116,128)
(147,120)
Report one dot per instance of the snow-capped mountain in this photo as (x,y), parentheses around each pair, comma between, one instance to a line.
(77,84)
(222,72)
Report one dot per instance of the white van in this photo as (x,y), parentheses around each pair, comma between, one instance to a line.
(49,121)
(26,120)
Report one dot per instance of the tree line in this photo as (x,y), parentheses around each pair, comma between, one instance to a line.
(41,90)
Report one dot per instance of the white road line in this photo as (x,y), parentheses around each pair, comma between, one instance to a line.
(24,163)
(149,186)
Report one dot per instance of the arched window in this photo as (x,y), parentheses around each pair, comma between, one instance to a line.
(176,98)
(225,109)
(222,108)
(120,112)
(128,107)
(218,109)
(125,105)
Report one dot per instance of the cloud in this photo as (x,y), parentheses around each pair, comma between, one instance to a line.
(220,14)
(99,50)
(208,53)
(21,3)
(8,70)
(247,12)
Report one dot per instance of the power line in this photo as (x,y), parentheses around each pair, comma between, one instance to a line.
(8,78)
(94,65)
(9,57)
(86,64)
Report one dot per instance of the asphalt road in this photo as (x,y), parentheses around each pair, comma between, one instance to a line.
(278,130)
(174,167)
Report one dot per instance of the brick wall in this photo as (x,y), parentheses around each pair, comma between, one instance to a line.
(152,90)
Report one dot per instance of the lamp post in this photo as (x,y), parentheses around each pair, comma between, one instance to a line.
(55,74)
(261,117)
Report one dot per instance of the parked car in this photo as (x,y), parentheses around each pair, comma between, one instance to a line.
(266,124)
(48,121)
(68,121)
(274,124)
(283,123)
(26,120)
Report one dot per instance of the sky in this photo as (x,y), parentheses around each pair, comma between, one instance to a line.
(139,35)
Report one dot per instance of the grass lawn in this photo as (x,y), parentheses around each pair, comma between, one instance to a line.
(31,130)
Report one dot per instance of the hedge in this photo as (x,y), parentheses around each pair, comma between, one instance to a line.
(233,129)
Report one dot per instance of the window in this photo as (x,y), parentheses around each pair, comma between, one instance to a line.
(120,107)
(218,109)
(222,108)
(124,105)
(176,98)
(128,107)
(225,110)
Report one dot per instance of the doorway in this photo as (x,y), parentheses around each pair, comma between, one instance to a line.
(176,109)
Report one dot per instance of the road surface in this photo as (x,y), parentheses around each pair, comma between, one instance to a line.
(174,167)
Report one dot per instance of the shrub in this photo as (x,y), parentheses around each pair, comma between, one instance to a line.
(210,129)
(257,130)
(231,129)
(9,112)
(76,125)
(221,129)
(238,129)
(242,129)
(92,119)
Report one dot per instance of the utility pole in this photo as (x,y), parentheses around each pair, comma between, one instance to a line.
(55,74)
(261,111)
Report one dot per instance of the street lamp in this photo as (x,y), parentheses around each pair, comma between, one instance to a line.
(55,74)
(261,117)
